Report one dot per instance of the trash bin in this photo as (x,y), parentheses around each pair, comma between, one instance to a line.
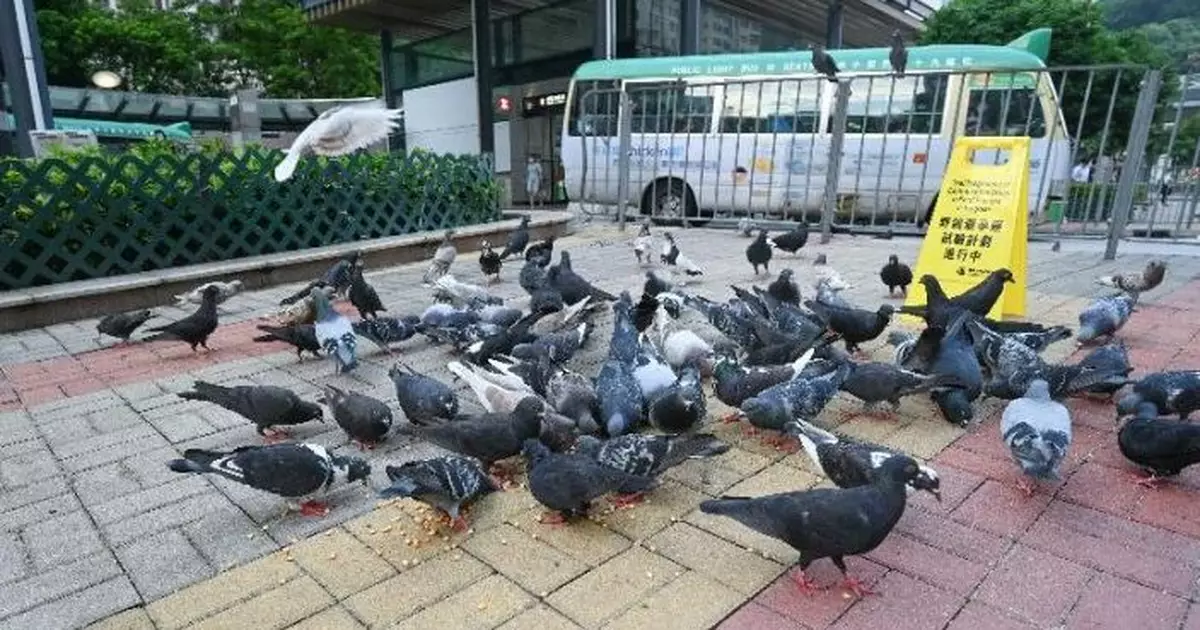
(1054,210)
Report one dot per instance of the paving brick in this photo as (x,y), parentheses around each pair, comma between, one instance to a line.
(1159,542)
(1000,508)
(1139,607)
(820,609)
(669,503)
(61,539)
(984,465)
(114,419)
(137,392)
(586,541)
(346,503)
(28,467)
(104,484)
(181,487)
(66,578)
(754,616)
(15,426)
(902,597)
(979,616)
(192,508)
(332,618)
(1034,586)
(182,427)
(226,538)
(425,583)
(623,580)
(1170,507)
(276,608)
(341,563)
(942,569)
(539,618)
(711,556)
(1103,488)
(389,529)
(135,440)
(710,476)
(78,609)
(689,601)
(150,468)
(163,563)
(531,563)
(481,606)
(924,439)
(223,591)
(12,558)
(34,503)
(132,619)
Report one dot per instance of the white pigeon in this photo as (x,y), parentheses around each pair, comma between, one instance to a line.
(746,227)
(443,257)
(460,292)
(643,245)
(225,290)
(831,278)
(492,397)
(680,266)
(340,130)
(1037,430)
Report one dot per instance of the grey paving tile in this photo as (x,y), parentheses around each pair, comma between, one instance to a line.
(162,563)
(53,584)
(60,539)
(150,467)
(78,609)
(181,487)
(13,563)
(184,511)
(227,538)
(28,467)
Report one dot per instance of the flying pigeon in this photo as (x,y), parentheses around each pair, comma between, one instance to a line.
(896,274)
(363,296)
(300,472)
(784,288)
(1175,392)
(303,337)
(647,455)
(225,290)
(122,325)
(194,329)
(792,240)
(1159,446)
(518,240)
(849,463)
(828,522)
(1151,277)
(758,254)
(446,483)
(366,420)
(1104,317)
(489,262)
(335,333)
(566,483)
(267,406)
(341,130)
(679,265)
(1038,432)
(424,399)
(899,54)
(443,257)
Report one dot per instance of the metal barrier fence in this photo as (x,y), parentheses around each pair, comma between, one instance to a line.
(867,153)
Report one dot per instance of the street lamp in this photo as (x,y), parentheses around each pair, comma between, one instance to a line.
(106,79)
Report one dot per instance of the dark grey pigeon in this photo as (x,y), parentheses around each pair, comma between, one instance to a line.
(366,420)
(541,253)
(339,275)
(302,293)
(1104,317)
(682,406)
(800,398)
(784,288)
(823,63)
(617,386)
(300,472)
(573,395)
(899,54)
(302,337)
(655,285)
(488,437)
(385,331)
(267,406)
(122,325)
(1039,340)
(446,483)
(1013,365)
(827,522)
(423,399)
(568,482)
(1112,358)
(532,277)
(518,240)
(1037,430)
(733,383)
(850,463)
(573,287)
(363,296)
(194,329)
(949,351)
(896,275)
(792,240)
(1175,392)
(648,455)
(1159,446)
(855,325)
(758,253)
(875,383)
(559,346)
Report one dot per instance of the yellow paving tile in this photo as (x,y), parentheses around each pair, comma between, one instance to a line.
(132,619)
(690,602)
(869,429)
(668,503)
(531,563)
(277,608)
(401,596)
(926,438)
(220,592)
(623,580)
(585,540)
(341,563)
(716,558)
(539,618)
(392,533)
(481,606)
(777,478)
(332,618)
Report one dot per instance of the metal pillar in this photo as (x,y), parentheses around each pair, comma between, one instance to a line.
(837,139)
(689,27)
(6,144)
(245,118)
(1135,152)
(481,27)
(833,25)
(387,58)
(605,46)
(21,49)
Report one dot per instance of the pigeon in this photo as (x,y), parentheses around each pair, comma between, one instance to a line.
(488,437)
(365,419)
(1176,392)
(733,384)
(899,54)
(1039,340)
(335,334)
(792,240)
(493,397)
(759,253)
(299,472)
(194,329)
(443,257)
(896,274)
(647,455)
(948,350)
(618,386)
(573,395)
(423,399)
(225,290)
(572,287)
(566,483)
(679,265)
(823,63)
(1056,246)
(303,337)
(655,285)
(541,253)
(385,331)
(122,325)
(643,245)
(980,298)
(1151,277)
(684,348)
(518,240)
(363,296)
(828,522)
(799,398)
(784,288)
(339,275)
(821,259)
(532,278)
(1112,358)
(875,382)
(1038,432)
(341,130)
(854,325)
(829,294)
(303,311)
(451,289)
(746,227)
(682,406)
(1159,446)
(267,406)
(489,262)
(849,463)
(1104,317)
(446,483)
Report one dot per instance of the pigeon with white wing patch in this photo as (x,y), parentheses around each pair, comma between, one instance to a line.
(849,463)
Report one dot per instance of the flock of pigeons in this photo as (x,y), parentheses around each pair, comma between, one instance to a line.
(774,357)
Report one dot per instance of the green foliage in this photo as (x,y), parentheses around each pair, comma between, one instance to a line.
(1123,14)
(89,214)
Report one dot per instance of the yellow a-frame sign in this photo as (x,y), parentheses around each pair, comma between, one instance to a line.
(980,222)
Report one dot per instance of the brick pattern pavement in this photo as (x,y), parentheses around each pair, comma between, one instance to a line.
(92,523)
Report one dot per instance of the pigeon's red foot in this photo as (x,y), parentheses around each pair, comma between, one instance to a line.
(855,586)
(624,501)
(730,418)
(553,518)
(314,508)
(276,436)
(458,524)
(1152,481)
(499,483)
(1027,485)
(805,583)
(364,446)
(750,430)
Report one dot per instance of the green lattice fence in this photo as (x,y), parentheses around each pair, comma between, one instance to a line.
(75,217)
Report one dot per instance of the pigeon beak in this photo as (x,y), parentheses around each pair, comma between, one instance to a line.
(937,494)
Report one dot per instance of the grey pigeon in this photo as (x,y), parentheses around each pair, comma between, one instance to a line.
(1038,432)
(898,56)
(299,472)
(1175,392)
(122,325)
(194,329)
(1104,317)
(1159,446)
(617,385)
(1113,358)
(875,383)
(446,483)
(949,351)
(443,257)
(829,295)
(648,455)
(567,483)
(518,240)
(823,63)
(488,437)
(335,333)
(363,296)
(424,399)
(746,226)
(385,331)
(784,288)
(267,406)
(682,406)
(827,522)
(799,398)
(573,395)
(338,275)
(531,277)
(850,463)
(558,347)
(365,419)
(225,290)
(1013,365)
(302,337)
(733,384)
(821,259)
(541,253)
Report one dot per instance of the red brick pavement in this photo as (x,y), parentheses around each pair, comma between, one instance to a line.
(1093,551)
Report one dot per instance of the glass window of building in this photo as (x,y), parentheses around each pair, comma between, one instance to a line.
(783,106)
